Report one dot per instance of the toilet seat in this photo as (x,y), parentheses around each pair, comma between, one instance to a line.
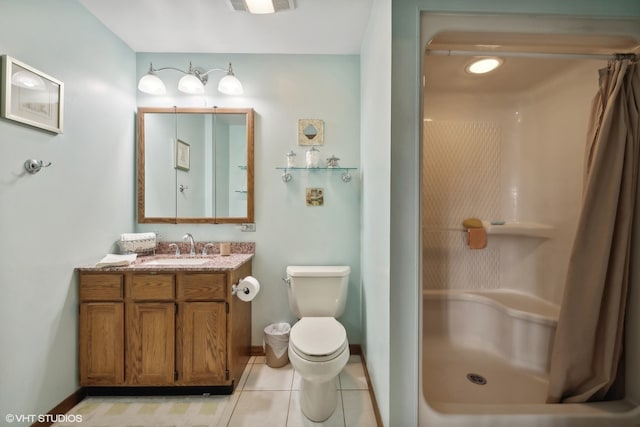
(318,339)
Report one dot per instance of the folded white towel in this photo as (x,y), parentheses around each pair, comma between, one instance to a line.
(127,237)
(137,242)
(113,260)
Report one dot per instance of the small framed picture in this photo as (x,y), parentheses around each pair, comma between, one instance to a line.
(310,132)
(315,196)
(30,96)
(183,160)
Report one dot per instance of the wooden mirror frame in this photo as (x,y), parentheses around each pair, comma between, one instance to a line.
(141,166)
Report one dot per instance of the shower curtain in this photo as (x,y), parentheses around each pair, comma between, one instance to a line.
(588,342)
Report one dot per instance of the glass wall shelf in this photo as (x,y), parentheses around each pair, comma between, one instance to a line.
(286,175)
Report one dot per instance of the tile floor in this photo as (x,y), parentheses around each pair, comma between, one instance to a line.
(265,397)
(266,393)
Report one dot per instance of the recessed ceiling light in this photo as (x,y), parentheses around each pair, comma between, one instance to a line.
(260,6)
(484,65)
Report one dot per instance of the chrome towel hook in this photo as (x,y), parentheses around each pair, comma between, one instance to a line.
(34,166)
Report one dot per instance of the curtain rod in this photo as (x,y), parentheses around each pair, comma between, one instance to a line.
(605,56)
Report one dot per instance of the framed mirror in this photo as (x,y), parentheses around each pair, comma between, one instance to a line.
(195,165)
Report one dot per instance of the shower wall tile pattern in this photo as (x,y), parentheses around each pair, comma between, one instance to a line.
(460,179)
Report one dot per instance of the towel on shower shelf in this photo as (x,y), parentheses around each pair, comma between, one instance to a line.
(476,233)
(477,238)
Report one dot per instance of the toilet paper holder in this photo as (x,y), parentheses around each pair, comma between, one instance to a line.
(246,289)
(235,289)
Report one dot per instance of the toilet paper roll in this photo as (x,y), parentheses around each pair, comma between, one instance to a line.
(248,288)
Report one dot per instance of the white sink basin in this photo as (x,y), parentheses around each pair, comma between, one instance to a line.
(177,261)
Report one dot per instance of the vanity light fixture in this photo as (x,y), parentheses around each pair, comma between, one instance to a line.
(484,65)
(192,82)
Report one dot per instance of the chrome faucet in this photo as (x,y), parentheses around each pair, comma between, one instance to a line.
(192,243)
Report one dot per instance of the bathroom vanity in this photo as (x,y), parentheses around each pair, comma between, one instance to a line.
(151,325)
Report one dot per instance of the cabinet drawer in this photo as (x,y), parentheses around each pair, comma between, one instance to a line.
(202,286)
(95,287)
(151,287)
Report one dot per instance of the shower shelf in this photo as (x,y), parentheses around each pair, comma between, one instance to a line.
(524,229)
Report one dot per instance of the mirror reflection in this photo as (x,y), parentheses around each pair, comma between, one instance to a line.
(195,165)
(310,131)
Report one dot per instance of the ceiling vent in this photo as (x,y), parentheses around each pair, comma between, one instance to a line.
(278,5)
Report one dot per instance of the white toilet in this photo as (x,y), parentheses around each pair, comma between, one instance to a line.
(318,346)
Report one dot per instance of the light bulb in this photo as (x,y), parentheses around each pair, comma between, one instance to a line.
(484,65)
(151,84)
(230,85)
(191,84)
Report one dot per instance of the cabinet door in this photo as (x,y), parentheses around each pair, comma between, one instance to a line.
(202,343)
(150,343)
(101,343)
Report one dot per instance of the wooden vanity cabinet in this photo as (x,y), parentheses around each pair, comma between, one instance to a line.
(163,328)
(101,329)
(150,329)
(202,322)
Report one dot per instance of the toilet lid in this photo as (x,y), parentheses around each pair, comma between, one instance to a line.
(318,336)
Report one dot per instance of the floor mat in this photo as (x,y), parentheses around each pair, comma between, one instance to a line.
(191,411)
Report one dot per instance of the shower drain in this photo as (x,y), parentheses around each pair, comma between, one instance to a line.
(477,379)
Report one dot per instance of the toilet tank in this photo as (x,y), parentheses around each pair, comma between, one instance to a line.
(318,290)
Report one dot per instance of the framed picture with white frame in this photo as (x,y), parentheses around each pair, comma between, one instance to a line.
(30,96)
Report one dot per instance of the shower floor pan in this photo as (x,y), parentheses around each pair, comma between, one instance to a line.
(449,373)
(486,346)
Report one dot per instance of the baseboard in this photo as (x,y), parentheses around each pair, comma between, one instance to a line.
(372,394)
(183,390)
(354,349)
(63,407)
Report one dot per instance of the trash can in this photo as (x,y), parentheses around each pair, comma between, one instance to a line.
(276,344)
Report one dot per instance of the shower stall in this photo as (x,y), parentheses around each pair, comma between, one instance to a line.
(505,147)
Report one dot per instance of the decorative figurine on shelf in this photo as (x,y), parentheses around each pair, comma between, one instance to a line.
(313,157)
(291,159)
(332,162)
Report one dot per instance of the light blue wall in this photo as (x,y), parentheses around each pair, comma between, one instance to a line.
(375,149)
(405,126)
(68,214)
(282,89)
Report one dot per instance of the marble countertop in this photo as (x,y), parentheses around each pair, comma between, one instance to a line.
(240,254)
(214,263)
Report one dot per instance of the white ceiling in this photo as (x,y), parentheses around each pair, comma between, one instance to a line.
(330,27)
(211,26)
